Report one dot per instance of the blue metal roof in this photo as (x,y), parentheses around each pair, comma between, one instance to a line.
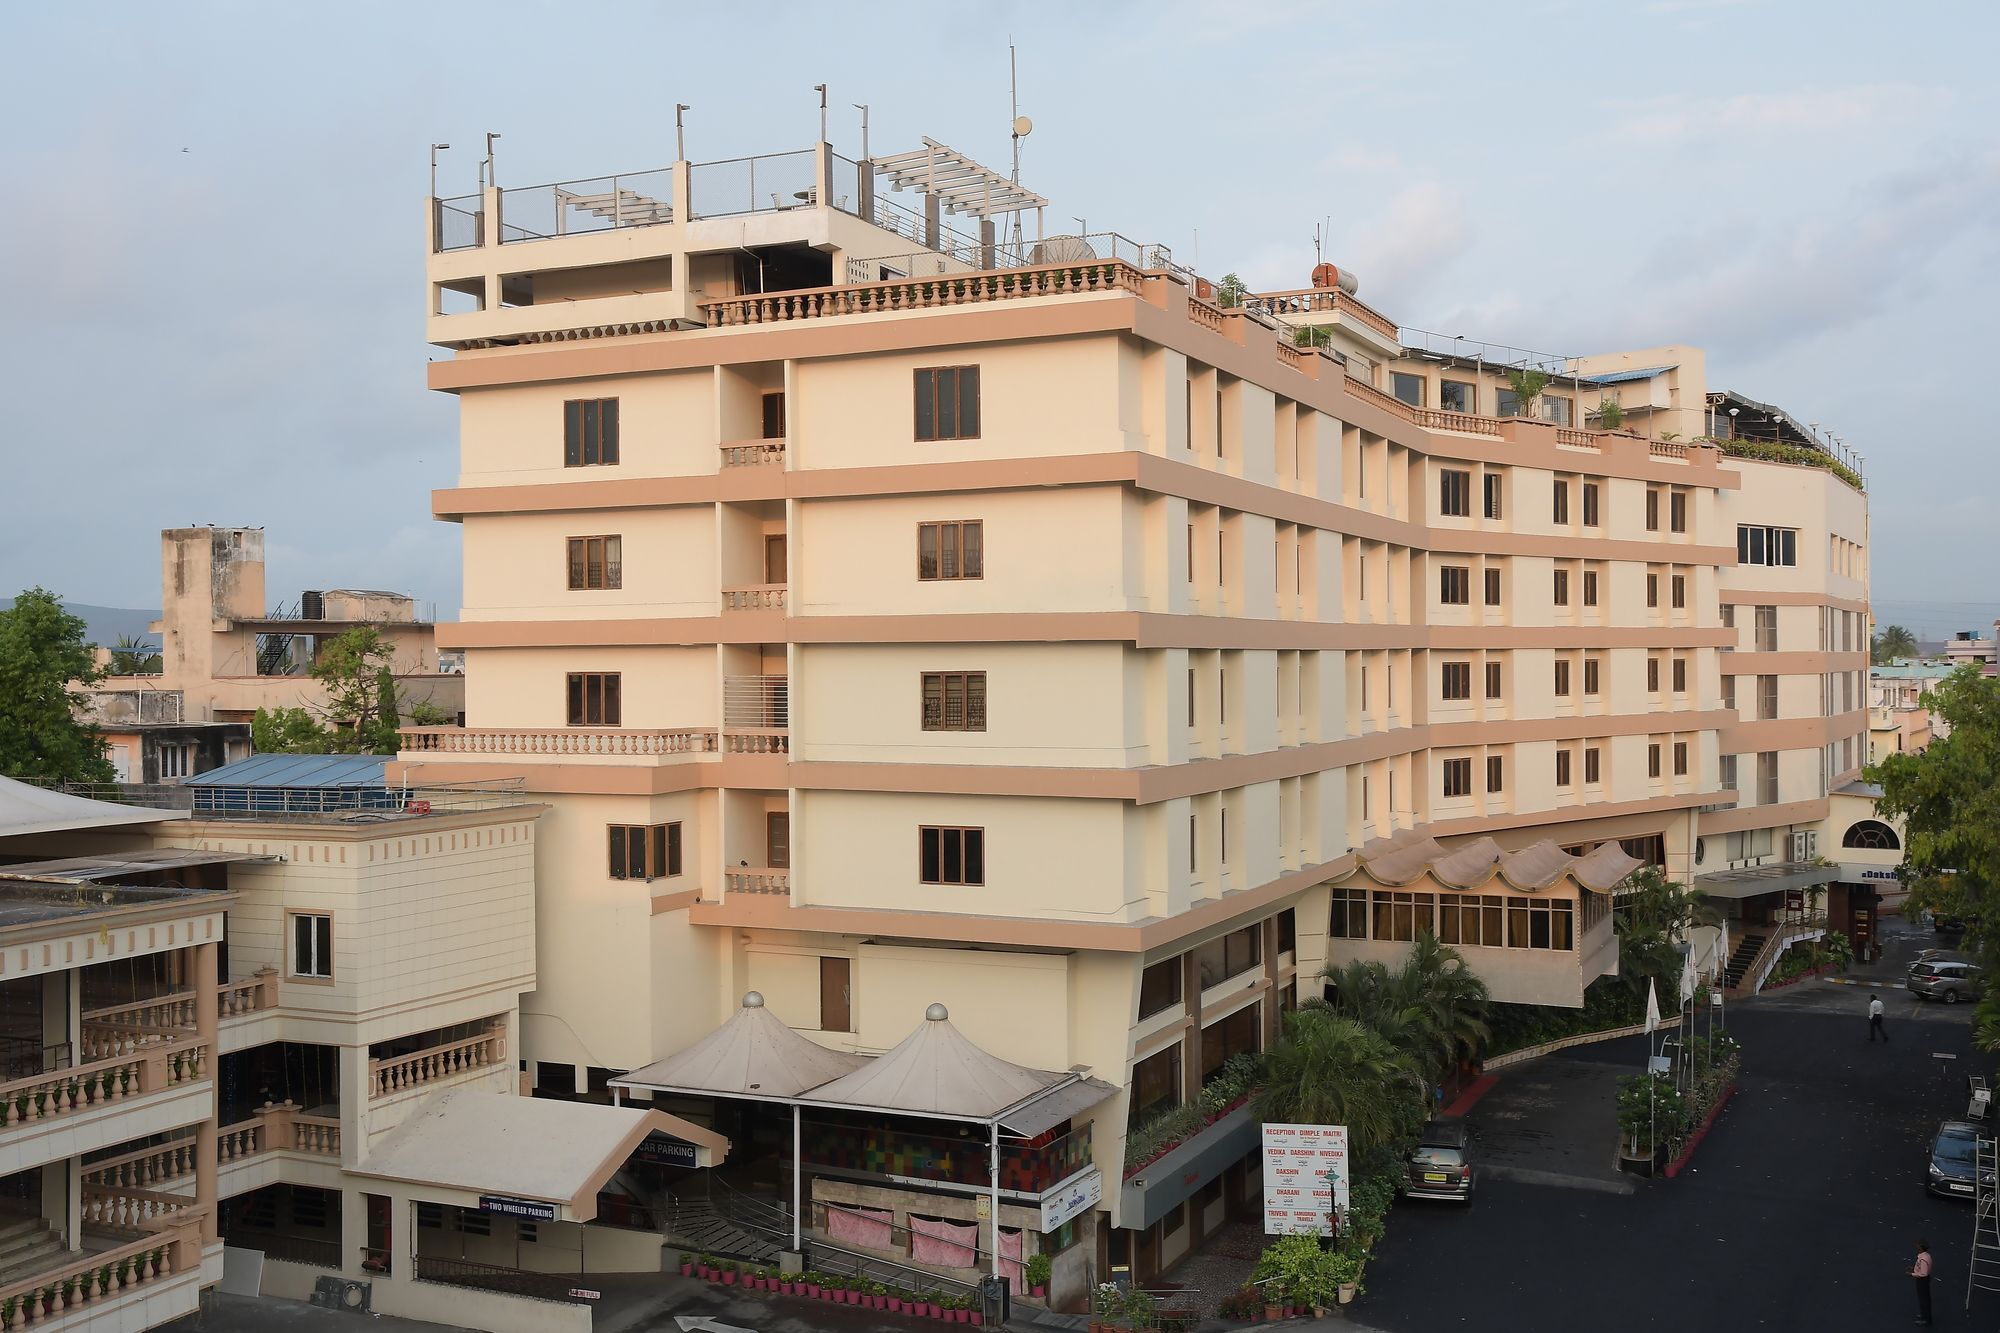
(1626,376)
(297,770)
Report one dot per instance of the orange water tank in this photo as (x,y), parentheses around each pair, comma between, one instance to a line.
(1326,276)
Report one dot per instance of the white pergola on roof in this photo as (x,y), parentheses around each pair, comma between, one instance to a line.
(960,184)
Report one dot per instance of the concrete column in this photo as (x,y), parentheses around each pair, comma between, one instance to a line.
(353,1104)
(62,1200)
(353,1230)
(206,987)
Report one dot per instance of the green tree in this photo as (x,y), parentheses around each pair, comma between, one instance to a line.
(1893,642)
(362,713)
(349,668)
(1654,916)
(1230,292)
(1610,413)
(288,731)
(43,657)
(1329,1069)
(1527,386)
(1947,797)
(132,656)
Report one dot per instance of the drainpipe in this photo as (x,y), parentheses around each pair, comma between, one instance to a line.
(797,1248)
(994,1184)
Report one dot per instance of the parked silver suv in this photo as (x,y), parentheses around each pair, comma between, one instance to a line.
(1947,980)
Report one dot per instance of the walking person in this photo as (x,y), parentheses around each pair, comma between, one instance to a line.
(1875,1019)
(1921,1272)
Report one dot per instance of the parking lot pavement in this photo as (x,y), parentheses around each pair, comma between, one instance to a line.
(1802,1208)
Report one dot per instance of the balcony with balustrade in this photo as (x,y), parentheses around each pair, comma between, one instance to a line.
(411,1068)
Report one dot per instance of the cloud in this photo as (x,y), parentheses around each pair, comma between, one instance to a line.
(1400,251)
(1808,111)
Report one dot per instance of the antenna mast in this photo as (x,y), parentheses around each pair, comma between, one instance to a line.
(1014,122)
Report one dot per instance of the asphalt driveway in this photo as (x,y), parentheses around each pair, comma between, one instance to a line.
(1802,1208)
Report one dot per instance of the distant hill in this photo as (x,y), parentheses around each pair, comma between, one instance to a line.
(106,624)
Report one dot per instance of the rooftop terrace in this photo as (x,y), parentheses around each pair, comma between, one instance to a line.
(30,900)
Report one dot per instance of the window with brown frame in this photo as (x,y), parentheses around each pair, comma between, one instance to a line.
(1454,585)
(1561,590)
(1560,511)
(1349,916)
(1590,587)
(1493,587)
(595,562)
(1652,590)
(1680,675)
(1590,504)
(1680,759)
(1496,772)
(1653,760)
(1493,680)
(1160,987)
(954,701)
(1562,768)
(1677,511)
(951,855)
(774,415)
(1458,777)
(1652,509)
(948,403)
(1457,682)
(1562,676)
(594,699)
(1652,675)
(1680,592)
(1454,493)
(590,432)
(1593,765)
(645,851)
(1591,672)
(951,550)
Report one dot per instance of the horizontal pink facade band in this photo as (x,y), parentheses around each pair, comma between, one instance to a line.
(1790,664)
(1141,629)
(1526,443)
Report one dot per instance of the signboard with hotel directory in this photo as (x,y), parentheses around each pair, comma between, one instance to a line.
(1305,1178)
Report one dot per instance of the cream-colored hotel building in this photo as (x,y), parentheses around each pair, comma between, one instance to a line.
(891,615)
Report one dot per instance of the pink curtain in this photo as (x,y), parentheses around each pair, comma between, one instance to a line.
(947,1244)
(1010,1260)
(860,1226)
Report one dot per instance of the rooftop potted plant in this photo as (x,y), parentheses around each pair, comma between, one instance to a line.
(1037,1275)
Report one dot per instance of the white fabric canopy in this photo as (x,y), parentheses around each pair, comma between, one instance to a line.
(25,808)
(937,1070)
(752,1055)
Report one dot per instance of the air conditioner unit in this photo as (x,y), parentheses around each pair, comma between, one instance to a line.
(339,1293)
(1805,846)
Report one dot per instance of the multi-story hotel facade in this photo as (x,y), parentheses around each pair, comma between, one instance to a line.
(889,617)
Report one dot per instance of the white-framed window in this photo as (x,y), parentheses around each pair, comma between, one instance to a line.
(312,945)
(176,761)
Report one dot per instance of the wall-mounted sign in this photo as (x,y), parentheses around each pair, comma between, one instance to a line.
(660,1150)
(1072,1197)
(1305,1178)
(1878,874)
(532,1210)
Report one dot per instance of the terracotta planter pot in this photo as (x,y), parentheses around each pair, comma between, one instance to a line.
(706,1273)
(1274,1312)
(978,1318)
(896,1305)
(811,1289)
(687,1270)
(728,1278)
(786,1288)
(1039,1293)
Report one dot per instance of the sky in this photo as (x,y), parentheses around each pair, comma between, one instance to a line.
(211,256)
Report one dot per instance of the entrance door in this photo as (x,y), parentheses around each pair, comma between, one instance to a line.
(774,558)
(778,839)
(834,1008)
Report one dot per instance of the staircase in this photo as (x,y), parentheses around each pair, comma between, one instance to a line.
(722,1220)
(28,1247)
(1745,956)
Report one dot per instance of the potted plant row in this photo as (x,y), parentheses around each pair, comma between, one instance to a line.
(835,1288)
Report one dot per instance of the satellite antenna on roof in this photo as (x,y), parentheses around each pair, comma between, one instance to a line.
(1022,128)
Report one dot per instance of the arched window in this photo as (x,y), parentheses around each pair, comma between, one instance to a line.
(1872,835)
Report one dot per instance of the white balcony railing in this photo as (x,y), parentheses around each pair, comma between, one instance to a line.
(764,880)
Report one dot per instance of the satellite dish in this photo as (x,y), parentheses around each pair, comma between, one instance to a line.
(1061,250)
(1022,127)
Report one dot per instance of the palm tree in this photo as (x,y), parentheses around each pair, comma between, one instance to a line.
(1453,996)
(1893,642)
(1329,1069)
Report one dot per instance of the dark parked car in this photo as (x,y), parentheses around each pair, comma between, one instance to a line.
(1952,1164)
(1947,980)
(1441,1167)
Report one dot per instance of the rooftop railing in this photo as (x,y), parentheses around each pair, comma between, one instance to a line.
(601,203)
(771,182)
(300,804)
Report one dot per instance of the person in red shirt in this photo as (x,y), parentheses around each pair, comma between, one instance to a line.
(1921,1271)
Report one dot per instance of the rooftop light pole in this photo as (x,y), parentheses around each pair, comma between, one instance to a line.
(820,88)
(436,148)
(680,132)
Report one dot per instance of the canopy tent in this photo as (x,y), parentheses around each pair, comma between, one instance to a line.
(752,1055)
(465,1143)
(25,809)
(116,865)
(936,1072)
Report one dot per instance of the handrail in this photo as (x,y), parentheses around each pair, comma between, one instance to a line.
(754,597)
(255,993)
(151,1069)
(174,1010)
(1782,937)
(123,1208)
(91,1277)
(976,287)
(435,1063)
(560,740)
(766,880)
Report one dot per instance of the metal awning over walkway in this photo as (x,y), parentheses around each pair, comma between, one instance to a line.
(463,1146)
(1752,881)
